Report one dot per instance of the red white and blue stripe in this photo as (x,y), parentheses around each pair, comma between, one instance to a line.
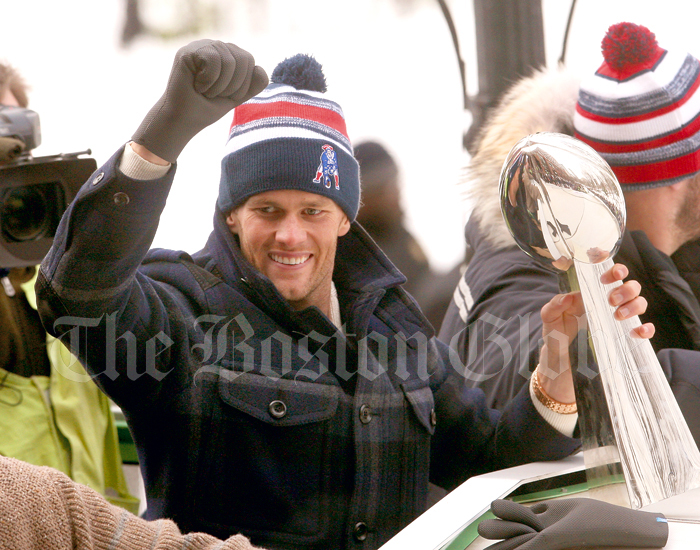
(277,141)
(644,117)
(282,111)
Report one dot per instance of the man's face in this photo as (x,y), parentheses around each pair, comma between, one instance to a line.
(291,237)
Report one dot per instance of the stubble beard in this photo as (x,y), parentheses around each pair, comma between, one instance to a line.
(687,220)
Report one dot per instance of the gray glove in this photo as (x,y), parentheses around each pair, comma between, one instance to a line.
(572,523)
(208,79)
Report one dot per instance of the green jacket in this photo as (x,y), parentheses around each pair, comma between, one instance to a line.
(63,421)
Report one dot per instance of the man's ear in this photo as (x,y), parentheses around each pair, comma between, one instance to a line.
(344,226)
(232,222)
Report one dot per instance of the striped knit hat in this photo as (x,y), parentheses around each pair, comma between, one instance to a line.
(290,137)
(641,108)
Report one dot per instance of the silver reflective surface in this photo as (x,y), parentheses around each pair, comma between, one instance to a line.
(561,201)
(656,450)
(564,207)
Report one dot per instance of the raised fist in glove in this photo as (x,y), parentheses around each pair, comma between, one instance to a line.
(572,523)
(208,79)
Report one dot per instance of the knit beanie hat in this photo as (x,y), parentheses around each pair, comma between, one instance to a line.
(641,108)
(290,136)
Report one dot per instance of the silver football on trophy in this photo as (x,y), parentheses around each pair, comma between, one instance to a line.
(561,201)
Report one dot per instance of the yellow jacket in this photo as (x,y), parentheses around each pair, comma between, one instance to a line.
(63,421)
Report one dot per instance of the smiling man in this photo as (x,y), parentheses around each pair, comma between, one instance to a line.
(280,382)
(291,237)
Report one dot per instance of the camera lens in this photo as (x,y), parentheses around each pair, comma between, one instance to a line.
(24,214)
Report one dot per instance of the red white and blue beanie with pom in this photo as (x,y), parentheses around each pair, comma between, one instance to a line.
(641,109)
(290,136)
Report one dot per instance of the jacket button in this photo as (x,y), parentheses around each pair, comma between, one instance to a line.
(433,418)
(359,532)
(365,414)
(121,199)
(98,178)
(277,409)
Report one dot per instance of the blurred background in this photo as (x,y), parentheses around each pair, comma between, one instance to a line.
(96,67)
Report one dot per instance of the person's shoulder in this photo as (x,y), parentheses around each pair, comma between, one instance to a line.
(16,473)
(492,267)
(180,270)
(166,255)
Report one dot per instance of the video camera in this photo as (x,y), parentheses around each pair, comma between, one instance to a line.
(34,192)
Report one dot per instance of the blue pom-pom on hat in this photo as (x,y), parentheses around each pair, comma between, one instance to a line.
(302,72)
(290,136)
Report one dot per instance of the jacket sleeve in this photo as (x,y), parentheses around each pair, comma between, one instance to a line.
(43,508)
(471,439)
(494,321)
(89,291)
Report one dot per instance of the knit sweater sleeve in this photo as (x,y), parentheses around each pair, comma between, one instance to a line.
(135,167)
(41,508)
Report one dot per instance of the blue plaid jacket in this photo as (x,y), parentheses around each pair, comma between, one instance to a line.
(250,417)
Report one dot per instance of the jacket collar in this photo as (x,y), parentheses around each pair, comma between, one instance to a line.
(361,266)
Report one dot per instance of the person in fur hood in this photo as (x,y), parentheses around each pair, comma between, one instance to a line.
(493,321)
(503,290)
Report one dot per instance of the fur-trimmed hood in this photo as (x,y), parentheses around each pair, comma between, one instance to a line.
(543,102)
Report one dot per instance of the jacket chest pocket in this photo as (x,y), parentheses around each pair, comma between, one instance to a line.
(279,402)
(267,457)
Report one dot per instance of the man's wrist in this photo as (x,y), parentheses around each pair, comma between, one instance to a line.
(557,379)
(546,400)
(137,167)
(145,154)
(563,423)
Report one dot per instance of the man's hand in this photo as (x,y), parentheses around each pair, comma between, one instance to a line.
(562,318)
(207,80)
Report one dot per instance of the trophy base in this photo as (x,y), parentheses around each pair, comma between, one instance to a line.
(682,508)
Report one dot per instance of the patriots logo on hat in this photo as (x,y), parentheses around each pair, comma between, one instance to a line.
(328,168)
